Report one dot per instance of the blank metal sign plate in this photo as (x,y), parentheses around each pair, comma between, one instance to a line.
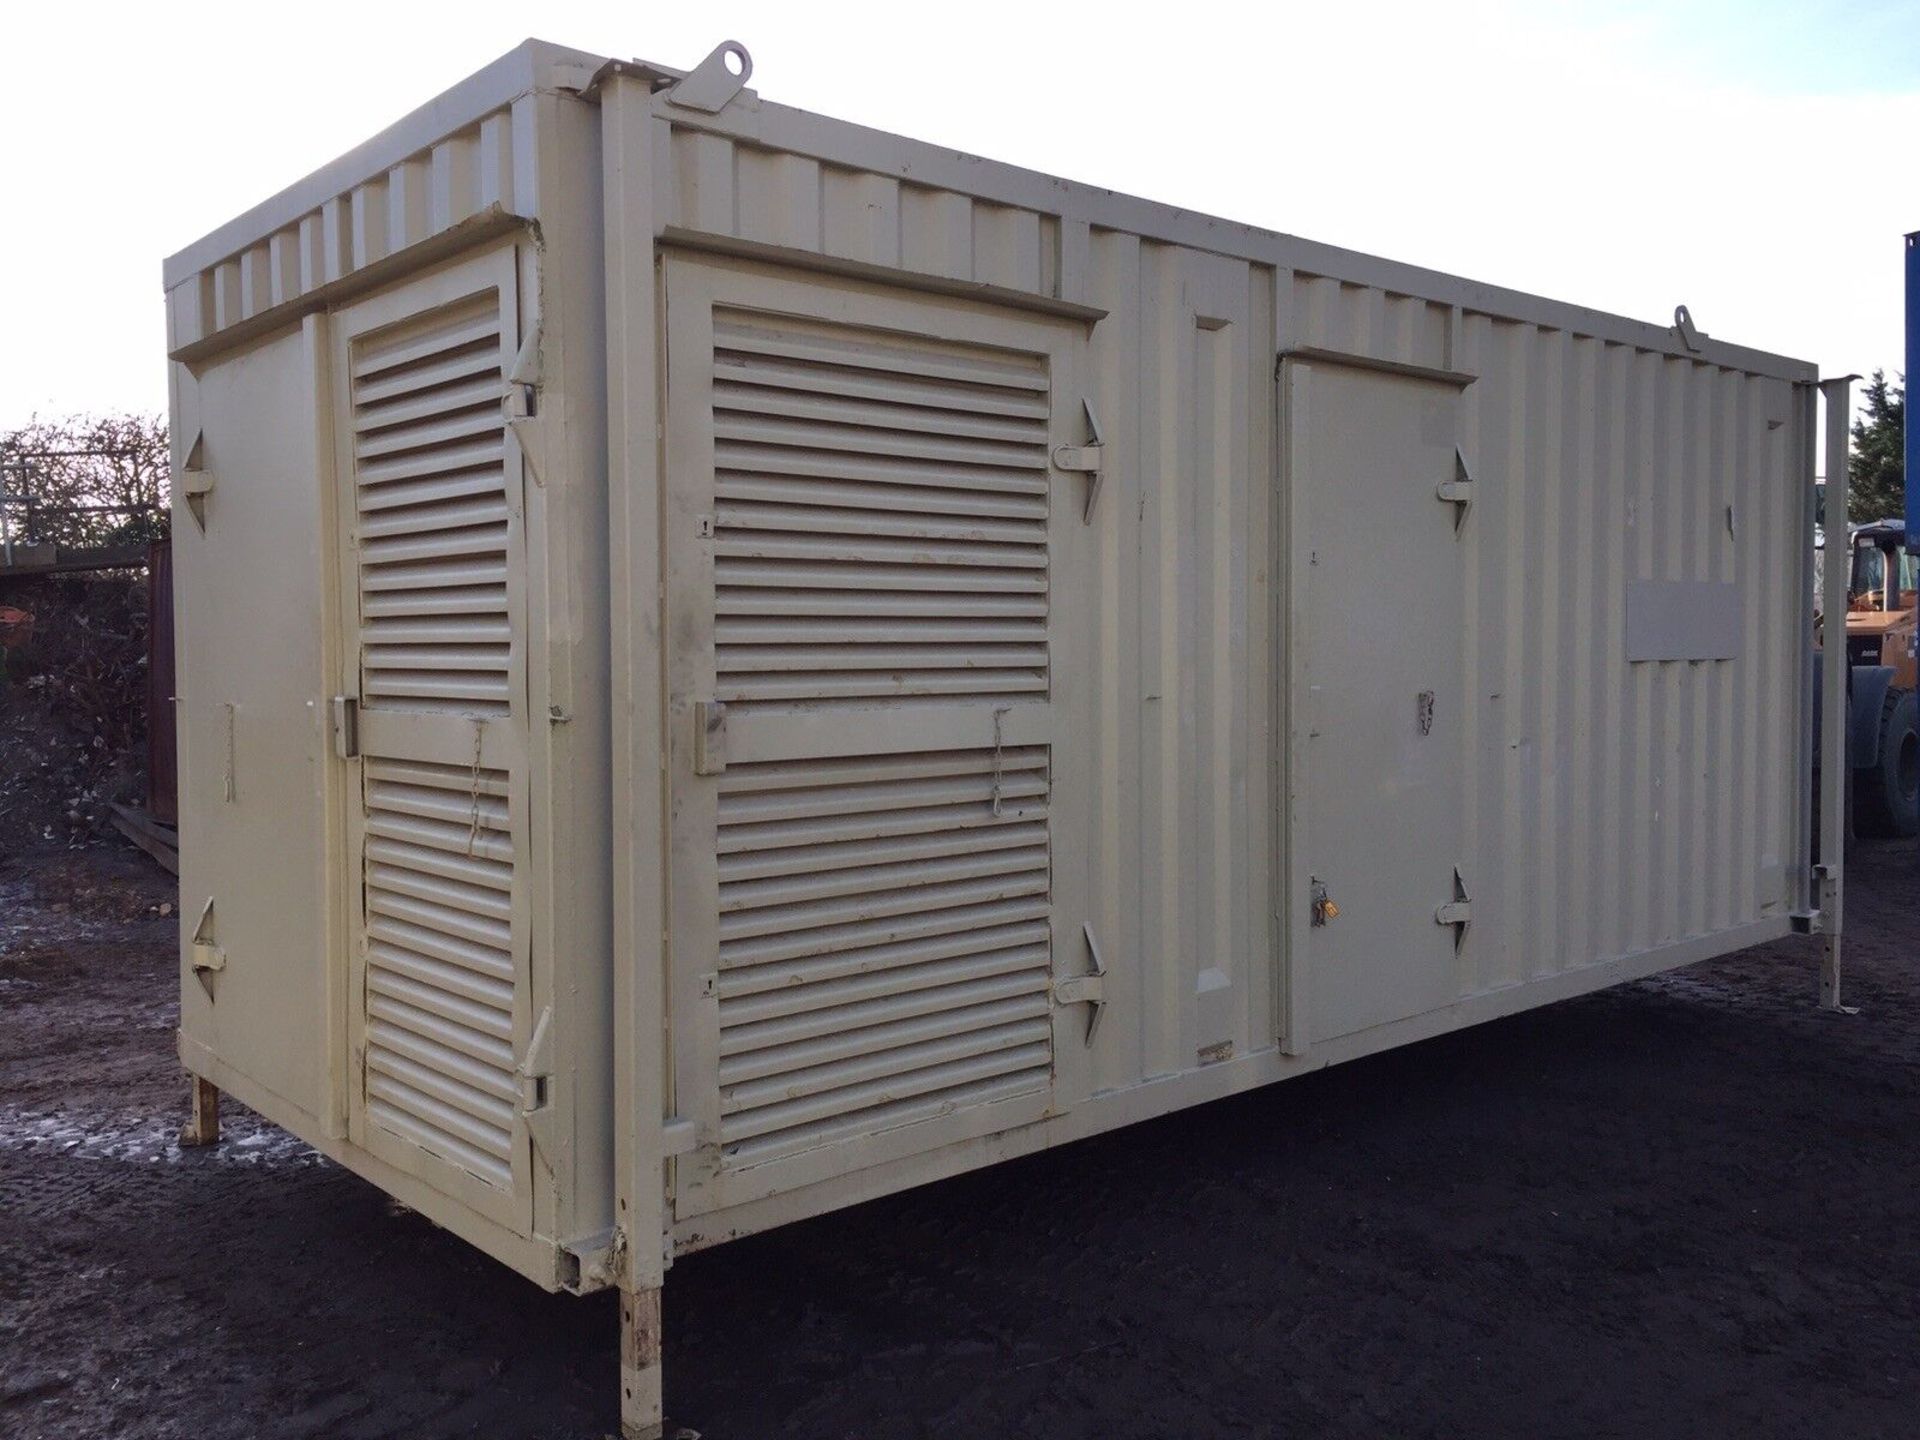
(1683,620)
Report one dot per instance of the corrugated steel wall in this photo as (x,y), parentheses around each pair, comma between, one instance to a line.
(1613,807)
(1618,806)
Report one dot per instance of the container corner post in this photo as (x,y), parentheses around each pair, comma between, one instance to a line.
(1830,873)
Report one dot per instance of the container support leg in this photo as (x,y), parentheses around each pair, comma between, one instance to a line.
(1835,777)
(642,1415)
(1830,944)
(203,1115)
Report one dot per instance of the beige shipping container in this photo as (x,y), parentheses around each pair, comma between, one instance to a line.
(731,663)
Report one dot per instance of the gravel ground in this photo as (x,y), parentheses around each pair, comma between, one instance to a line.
(1688,1207)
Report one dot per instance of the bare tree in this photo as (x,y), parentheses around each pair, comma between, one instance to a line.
(86,481)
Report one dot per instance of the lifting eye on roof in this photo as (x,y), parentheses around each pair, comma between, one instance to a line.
(1683,322)
(715,80)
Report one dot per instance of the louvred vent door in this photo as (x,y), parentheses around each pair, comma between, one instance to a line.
(432,574)
(863,759)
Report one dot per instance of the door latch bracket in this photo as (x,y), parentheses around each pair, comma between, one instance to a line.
(535,1072)
(346,726)
(709,737)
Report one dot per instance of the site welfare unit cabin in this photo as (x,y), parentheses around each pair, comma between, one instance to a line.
(731,663)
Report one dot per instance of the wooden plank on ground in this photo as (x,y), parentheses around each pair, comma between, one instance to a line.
(159,841)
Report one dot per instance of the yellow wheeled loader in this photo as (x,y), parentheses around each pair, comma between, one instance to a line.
(1883,651)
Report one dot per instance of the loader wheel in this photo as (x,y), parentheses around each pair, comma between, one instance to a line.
(1889,794)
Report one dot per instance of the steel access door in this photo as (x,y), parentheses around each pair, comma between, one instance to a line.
(433,720)
(1381,517)
(871,555)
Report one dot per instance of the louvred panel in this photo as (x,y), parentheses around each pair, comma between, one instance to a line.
(440,975)
(884,943)
(880,516)
(432,514)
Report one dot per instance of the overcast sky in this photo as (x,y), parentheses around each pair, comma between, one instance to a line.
(1755,160)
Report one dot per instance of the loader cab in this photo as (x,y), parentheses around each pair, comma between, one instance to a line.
(1881,599)
(1880,552)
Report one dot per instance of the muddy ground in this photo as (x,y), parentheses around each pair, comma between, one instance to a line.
(1685,1207)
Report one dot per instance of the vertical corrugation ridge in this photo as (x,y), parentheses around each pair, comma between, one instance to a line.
(1638,837)
(1724,845)
(1547,559)
(1617,362)
(1469,350)
(1162,797)
(1695,799)
(1115,266)
(1516,684)
(1575,544)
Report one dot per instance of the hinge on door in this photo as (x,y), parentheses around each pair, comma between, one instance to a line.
(1085,459)
(1457,912)
(346,726)
(207,957)
(196,481)
(1089,989)
(535,1072)
(520,403)
(1459,490)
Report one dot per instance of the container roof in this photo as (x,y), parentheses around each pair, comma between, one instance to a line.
(280,255)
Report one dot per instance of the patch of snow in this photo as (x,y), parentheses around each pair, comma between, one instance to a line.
(149,1139)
